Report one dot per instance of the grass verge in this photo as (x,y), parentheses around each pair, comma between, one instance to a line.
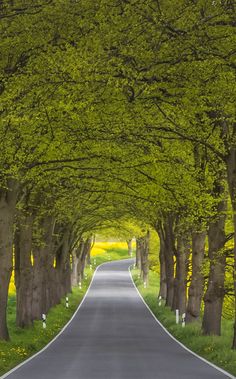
(26,342)
(213,348)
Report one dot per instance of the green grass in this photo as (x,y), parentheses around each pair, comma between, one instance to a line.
(111,254)
(215,349)
(26,342)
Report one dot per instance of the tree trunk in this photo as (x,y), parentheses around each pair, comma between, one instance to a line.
(163,286)
(63,266)
(144,250)
(169,244)
(180,281)
(43,271)
(195,292)
(231,177)
(214,296)
(75,262)
(80,251)
(234,338)
(7,212)
(138,254)
(86,250)
(93,240)
(23,270)
(37,307)
(129,244)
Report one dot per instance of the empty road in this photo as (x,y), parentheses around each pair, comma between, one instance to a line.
(114,336)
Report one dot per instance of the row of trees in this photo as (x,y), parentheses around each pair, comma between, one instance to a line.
(118,110)
(176,66)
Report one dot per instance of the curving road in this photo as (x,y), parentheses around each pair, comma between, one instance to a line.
(114,336)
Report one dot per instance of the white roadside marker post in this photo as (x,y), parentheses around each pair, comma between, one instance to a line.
(177,316)
(67,302)
(95,262)
(183,320)
(159,301)
(80,285)
(90,266)
(145,284)
(44,318)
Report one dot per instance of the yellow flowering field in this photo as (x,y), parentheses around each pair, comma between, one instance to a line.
(102,247)
(12,288)
(99,248)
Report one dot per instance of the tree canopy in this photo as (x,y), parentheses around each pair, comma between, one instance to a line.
(121,114)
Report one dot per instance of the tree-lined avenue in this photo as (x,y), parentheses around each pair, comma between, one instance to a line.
(119,116)
(114,335)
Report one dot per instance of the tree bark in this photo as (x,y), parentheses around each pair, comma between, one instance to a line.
(82,252)
(163,286)
(214,296)
(169,244)
(63,266)
(129,244)
(23,270)
(8,198)
(144,252)
(86,252)
(180,282)
(138,254)
(43,270)
(234,338)
(195,292)
(231,178)
(74,273)
(88,260)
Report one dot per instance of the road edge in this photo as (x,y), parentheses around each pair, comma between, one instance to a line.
(55,338)
(228,375)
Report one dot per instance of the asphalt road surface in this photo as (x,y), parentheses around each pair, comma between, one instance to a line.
(114,336)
